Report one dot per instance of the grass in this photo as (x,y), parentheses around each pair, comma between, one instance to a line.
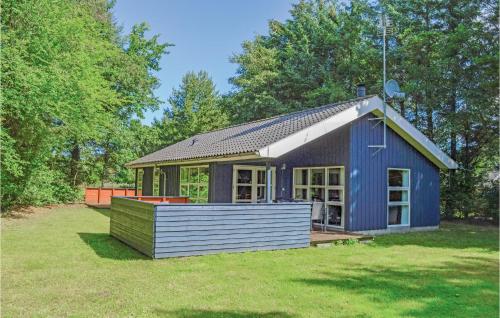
(63,263)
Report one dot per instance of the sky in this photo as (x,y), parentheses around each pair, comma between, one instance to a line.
(206,33)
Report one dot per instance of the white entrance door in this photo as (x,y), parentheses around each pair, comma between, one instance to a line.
(249,184)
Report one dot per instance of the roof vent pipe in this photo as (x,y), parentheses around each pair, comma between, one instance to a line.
(361,90)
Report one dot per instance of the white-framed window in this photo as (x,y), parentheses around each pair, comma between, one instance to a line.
(249,184)
(194,183)
(398,197)
(325,184)
(156,181)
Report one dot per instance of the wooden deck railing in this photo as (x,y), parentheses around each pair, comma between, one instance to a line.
(160,199)
(161,229)
(102,196)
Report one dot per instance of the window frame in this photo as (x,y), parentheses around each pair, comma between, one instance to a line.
(254,185)
(156,181)
(197,184)
(406,203)
(326,187)
(140,181)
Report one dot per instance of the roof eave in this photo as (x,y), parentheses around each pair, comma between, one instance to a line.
(372,105)
(203,160)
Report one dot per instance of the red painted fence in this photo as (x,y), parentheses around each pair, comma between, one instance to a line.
(102,196)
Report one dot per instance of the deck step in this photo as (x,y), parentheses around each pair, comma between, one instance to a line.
(328,238)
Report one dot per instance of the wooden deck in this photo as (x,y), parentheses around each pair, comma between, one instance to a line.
(319,237)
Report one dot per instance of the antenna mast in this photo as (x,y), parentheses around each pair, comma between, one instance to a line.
(385,28)
(384,34)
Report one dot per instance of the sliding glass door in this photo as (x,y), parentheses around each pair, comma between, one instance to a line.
(323,184)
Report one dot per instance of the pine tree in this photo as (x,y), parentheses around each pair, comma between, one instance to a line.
(316,57)
(195,108)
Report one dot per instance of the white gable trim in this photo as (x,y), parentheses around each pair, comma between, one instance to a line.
(418,140)
(319,129)
(371,105)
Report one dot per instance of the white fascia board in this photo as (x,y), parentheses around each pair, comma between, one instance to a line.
(418,140)
(373,105)
(319,129)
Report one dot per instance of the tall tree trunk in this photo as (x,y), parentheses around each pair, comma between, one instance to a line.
(450,202)
(466,161)
(74,165)
(451,18)
(430,123)
(418,102)
(104,173)
(428,104)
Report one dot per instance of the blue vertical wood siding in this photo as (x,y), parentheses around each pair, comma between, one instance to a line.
(173,180)
(329,150)
(147,181)
(172,185)
(172,175)
(163,171)
(368,174)
(365,198)
(220,189)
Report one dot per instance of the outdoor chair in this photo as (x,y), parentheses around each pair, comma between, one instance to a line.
(318,213)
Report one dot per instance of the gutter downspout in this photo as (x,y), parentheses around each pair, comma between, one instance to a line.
(269,174)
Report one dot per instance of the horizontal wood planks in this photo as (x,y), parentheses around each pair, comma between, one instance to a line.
(172,230)
(196,229)
(102,196)
(132,222)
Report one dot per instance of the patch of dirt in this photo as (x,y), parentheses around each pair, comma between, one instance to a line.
(30,211)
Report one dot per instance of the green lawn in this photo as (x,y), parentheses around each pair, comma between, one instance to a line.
(63,263)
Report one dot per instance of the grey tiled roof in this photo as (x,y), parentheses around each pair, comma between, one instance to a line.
(245,138)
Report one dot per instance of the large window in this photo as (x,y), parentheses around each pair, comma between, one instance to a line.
(398,197)
(324,184)
(249,184)
(194,183)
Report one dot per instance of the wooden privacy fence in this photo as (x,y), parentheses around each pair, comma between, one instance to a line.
(162,230)
(102,196)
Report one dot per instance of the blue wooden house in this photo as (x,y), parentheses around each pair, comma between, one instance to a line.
(321,155)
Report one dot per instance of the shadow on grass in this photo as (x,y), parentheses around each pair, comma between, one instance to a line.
(450,235)
(106,246)
(200,313)
(467,287)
